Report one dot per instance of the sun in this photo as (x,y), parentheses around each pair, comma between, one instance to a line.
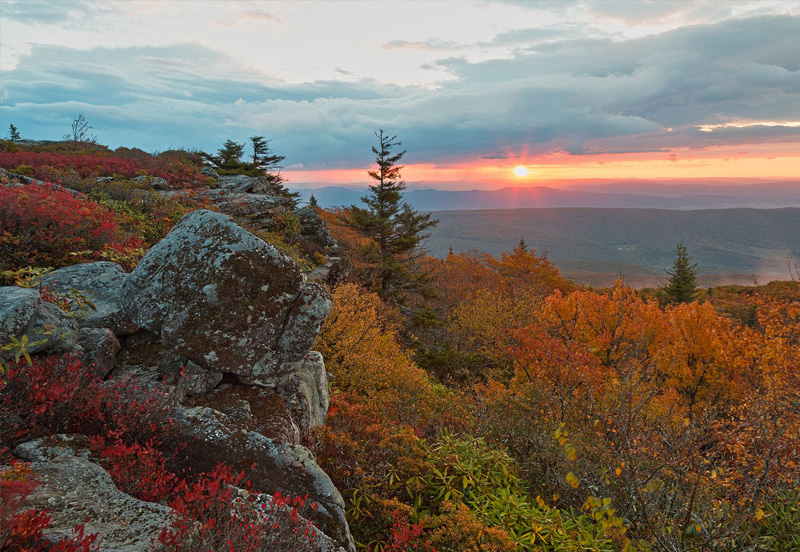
(520,171)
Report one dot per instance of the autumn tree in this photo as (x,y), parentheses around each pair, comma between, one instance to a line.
(682,284)
(395,228)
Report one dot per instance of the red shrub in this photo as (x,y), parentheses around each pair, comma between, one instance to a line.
(45,165)
(212,515)
(44,225)
(406,537)
(138,470)
(59,395)
(85,165)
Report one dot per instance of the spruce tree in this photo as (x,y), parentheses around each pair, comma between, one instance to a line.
(264,159)
(682,284)
(393,226)
(13,133)
(230,155)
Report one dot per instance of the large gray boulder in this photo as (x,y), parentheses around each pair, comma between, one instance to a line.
(102,282)
(76,491)
(221,296)
(47,327)
(211,437)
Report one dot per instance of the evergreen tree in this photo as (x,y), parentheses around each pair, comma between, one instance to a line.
(395,228)
(13,133)
(264,159)
(228,161)
(682,284)
(230,155)
(312,201)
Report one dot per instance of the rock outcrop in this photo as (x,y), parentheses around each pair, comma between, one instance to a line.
(102,283)
(225,323)
(23,313)
(212,437)
(224,298)
(314,228)
(74,491)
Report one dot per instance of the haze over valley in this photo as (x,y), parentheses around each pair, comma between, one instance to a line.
(594,246)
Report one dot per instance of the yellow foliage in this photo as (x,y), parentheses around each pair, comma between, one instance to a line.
(362,352)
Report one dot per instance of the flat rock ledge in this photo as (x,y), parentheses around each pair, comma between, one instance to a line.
(76,491)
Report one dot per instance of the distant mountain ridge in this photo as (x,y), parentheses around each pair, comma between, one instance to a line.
(593,246)
(756,196)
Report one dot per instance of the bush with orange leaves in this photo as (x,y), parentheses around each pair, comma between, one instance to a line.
(685,420)
(384,405)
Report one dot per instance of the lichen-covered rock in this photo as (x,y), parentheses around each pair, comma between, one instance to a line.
(237,182)
(253,408)
(47,327)
(197,380)
(100,347)
(208,171)
(54,330)
(259,208)
(212,437)
(305,391)
(304,322)
(17,307)
(314,228)
(159,183)
(221,296)
(102,282)
(76,491)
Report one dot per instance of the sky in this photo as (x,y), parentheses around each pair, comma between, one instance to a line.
(567,89)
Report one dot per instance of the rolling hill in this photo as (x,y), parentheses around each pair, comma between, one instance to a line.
(593,245)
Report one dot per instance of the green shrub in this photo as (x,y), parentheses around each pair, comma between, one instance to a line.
(470,472)
(24,170)
(778,529)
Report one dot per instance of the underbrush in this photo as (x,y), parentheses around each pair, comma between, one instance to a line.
(181,169)
(131,433)
(49,226)
(216,514)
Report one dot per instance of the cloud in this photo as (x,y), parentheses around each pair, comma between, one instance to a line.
(557,92)
(47,12)
(581,149)
(496,156)
(258,15)
(430,44)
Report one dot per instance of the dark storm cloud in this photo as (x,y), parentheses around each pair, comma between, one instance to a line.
(557,92)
